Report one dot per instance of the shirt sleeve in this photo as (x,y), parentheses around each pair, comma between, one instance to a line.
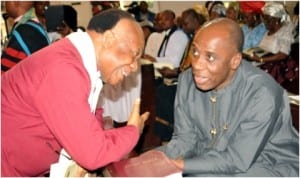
(183,142)
(61,100)
(175,48)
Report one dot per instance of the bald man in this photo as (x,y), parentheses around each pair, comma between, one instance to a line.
(231,119)
(27,35)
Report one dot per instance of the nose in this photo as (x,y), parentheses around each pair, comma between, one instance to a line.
(199,63)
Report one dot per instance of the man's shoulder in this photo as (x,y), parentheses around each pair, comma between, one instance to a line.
(186,76)
(179,33)
(257,78)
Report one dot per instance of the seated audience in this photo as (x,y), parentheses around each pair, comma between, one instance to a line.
(210,4)
(277,42)
(155,38)
(61,20)
(232,11)
(143,13)
(231,118)
(253,28)
(165,93)
(40,8)
(172,48)
(98,6)
(217,10)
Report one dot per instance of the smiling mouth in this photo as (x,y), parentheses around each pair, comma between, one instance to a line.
(124,73)
(200,79)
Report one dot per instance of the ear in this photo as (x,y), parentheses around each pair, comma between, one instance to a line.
(108,38)
(236,61)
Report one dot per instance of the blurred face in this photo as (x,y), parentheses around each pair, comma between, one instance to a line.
(213,15)
(156,23)
(166,22)
(11,10)
(271,22)
(249,19)
(231,14)
(144,7)
(213,59)
(40,7)
(64,29)
(188,24)
(121,52)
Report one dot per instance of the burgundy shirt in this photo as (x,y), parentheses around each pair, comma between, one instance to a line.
(45,108)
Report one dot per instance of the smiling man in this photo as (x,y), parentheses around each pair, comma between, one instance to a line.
(231,119)
(49,100)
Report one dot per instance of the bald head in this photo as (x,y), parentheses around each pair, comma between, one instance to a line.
(229,29)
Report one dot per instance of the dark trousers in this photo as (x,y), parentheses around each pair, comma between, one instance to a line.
(165,97)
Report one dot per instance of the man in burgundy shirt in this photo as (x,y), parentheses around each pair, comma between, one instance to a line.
(49,100)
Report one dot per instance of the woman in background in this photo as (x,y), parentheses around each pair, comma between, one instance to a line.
(277,41)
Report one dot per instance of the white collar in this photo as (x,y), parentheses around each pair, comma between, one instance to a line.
(84,45)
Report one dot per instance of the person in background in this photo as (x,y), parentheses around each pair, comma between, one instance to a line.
(233,11)
(201,9)
(26,37)
(253,27)
(98,6)
(174,43)
(231,118)
(165,93)
(155,38)
(217,10)
(40,8)
(148,28)
(48,101)
(61,20)
(277,42)
(142,13)
(210,4)
(157,23)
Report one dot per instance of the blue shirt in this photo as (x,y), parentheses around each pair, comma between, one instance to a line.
(252,37)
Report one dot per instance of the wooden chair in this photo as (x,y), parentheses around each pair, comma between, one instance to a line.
(148,139)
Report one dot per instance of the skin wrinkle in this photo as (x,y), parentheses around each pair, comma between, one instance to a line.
(120,54)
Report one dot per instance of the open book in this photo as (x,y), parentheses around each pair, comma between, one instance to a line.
(149,164)
(256,50)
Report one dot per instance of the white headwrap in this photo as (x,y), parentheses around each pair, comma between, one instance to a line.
(276,9)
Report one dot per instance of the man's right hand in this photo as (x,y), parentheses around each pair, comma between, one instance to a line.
(135,118)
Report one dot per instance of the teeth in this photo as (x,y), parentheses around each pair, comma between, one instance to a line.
(124,73)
